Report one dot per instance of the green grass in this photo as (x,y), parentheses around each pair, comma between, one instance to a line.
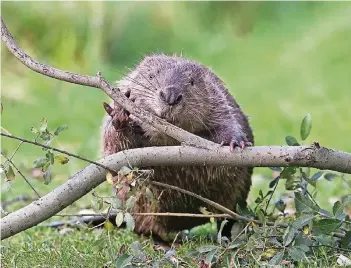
(40,247)
(280,61)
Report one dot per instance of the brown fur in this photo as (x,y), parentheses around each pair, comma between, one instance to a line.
(205,109)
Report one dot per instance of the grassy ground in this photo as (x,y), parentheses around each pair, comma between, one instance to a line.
(280,61)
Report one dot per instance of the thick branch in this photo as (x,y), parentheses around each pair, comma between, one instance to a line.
(114,93)
(90,177)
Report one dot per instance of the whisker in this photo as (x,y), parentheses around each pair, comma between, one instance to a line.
(132,80)
(138,83)
(142,91)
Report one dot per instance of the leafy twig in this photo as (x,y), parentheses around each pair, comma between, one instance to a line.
(57,150)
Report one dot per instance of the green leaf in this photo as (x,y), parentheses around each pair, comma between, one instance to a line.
(219,235)
(61,159)
(302,221)
(289,235)
(237,243)
(210,255)
(291,141)
(130,224)
(325,212)
(330,176)
(302,240)
(304,205)
(317,175)
(277,258)
(323,239)
(326,226)
(205,249)
(46,166)
(40,162)
(10,174)
(297,254)
(280,205)
(119,218)
(34,130)
(50,156)
(274,182)
(116,203)
(260,193)
(291,183)
(60,129)
(149,194)
(100,203)
(260,216)
(46,137)
(43,125)
(47,176)
(346,241)
(130,202)
(338,208)
(137,251)
(306,126)
(124,170)
(287,172)
(124,261)
(303,247)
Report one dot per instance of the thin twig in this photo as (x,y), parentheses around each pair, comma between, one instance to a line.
(19,172)
(231,213)
(270,198)
(57,150)
(13,154)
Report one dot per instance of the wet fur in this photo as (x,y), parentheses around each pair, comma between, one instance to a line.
(207,110)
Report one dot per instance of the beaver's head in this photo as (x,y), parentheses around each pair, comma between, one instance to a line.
(172,88)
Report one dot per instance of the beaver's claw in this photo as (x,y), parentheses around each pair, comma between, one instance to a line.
(241,142)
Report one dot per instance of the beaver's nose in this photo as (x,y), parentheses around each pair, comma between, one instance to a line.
(171,95)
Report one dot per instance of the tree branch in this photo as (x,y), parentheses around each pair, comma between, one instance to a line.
(114,93)
(90,177)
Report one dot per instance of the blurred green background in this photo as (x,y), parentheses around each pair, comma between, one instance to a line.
(280,60)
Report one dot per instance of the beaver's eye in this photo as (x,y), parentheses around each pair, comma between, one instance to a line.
(192,82)
(151,76)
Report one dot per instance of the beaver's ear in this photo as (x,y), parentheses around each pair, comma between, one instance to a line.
(107,108)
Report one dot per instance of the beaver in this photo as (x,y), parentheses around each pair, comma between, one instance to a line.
(189,95)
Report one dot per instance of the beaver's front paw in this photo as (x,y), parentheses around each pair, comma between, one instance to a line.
(120,116)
